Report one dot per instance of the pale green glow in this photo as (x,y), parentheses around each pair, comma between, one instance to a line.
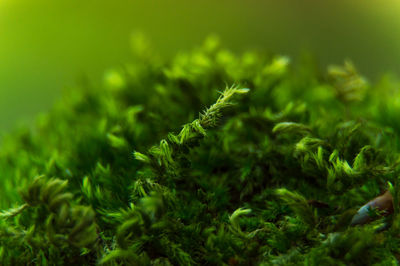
(46,45)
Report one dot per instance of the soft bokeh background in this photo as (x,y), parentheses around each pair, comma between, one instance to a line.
(46,45)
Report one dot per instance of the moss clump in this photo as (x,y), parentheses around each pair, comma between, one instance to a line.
(270,172)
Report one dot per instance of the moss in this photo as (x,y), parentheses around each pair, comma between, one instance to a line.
(269,170)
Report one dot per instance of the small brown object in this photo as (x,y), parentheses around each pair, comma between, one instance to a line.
(233,262)
(383,203)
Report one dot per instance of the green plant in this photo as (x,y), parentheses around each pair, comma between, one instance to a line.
(271,173)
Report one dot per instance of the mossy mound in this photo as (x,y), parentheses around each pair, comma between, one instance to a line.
(271,171)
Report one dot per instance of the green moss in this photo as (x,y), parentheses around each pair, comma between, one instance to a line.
(267,171)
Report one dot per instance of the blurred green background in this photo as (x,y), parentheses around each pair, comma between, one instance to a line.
(46,46)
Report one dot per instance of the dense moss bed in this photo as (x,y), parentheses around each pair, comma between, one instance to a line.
(209,158)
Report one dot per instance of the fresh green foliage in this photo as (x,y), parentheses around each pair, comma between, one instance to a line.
(163,166)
